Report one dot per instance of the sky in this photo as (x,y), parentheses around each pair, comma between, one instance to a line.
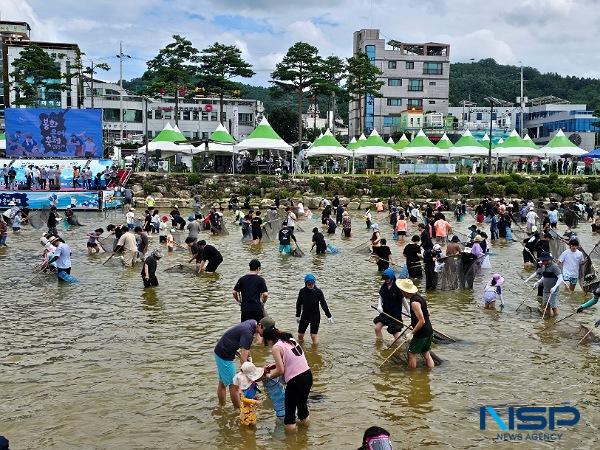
(550,35)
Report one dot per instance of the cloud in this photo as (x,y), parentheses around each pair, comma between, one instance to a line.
(552,35)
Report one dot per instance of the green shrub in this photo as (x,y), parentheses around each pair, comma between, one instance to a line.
(265,182)
(593,186)
(553,177)
(193,179)
(149,188)
(495,190)
(542,189)
(436,181)
(511,188)
(285,176)
(518,178)
(529,191)
(315,185)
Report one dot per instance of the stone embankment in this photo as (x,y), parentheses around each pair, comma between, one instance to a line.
(358,192)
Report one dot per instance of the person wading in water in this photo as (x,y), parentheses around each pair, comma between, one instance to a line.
(422,332)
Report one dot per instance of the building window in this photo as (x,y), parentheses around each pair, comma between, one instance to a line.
(432,102)
(494,116)
(394,81)
(246,119)
(415,85)
(410,65)
(394,102)
(479,116)
(132,115)
(390,121)
(370,51)
(158,114)
(414,103)
(418,121)
(392,64)
(186,115)
(168,115)
(195,115)
(432,83)
(204,116)
(432,68)
(205,135)
(213,117)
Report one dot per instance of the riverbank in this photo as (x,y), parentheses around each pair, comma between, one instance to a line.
(360,191)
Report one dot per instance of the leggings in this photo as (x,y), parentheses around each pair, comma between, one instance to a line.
(296,397)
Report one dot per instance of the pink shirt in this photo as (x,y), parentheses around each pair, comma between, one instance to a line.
(441,228)
(294,361)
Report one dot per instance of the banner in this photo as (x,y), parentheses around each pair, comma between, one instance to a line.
(44,199)
(426,168)
(53,133)
(65,166)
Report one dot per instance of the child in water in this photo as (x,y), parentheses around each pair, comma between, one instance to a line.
(493,292)
(92,243)
(246,380)
(16,223)
(171,240)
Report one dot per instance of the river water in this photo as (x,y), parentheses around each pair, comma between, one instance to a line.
(105,364)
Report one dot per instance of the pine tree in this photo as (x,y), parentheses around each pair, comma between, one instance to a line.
(362,81)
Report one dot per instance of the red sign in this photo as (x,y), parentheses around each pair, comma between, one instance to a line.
(208,108)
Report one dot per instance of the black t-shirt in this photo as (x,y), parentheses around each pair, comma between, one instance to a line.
(383,251)
(412,251)
(391,300)
(330,226)
(285,236)
(210,254)
(319,240)
(151,263)
(307,304)
(256,223)
(251,287)
(427,329)
(426,240)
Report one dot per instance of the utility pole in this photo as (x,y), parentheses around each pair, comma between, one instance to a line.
(121,55)
(522,104)
(146,130)
(491,100)
(92,84)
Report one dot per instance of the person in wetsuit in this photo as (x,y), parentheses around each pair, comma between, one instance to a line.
(389,306)
(308,313)
(318,241)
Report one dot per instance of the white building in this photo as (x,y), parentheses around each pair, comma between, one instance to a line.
(198,116)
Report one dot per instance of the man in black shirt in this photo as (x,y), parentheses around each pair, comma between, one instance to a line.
(149,269)
(390,303)
(286,236)
(318,240)
(426,243)
(383,256)
(208,258)
(256,223)
(251,293)
(330,225)
(52,221)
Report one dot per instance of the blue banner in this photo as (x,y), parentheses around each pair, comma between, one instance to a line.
(54,133)
(41,200)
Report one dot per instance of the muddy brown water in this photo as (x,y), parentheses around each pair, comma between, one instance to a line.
(105,364)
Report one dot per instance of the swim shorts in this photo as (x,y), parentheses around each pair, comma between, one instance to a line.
(420,345)
(226,370)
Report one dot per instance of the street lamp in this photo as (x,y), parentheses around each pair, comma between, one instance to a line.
(491,100)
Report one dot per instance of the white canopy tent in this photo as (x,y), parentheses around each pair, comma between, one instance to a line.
(327,145)
(561,145)
(263,138)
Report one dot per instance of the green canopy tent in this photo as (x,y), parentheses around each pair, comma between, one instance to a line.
(171,142)
(220,142)
(561,145)
(467,145)
(3,141)
(422,147)
(264,137)
(402,143)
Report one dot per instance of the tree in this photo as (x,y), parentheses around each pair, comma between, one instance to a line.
(92,70)
(220,63)
(36,73)
(298,72)
(284,121)
(174,70)
(332,71)
(362,81)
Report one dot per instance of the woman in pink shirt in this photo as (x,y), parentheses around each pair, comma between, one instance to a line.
(291,363)
(442,228)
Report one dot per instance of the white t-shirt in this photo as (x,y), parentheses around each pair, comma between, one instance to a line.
(571,262)
(531,217)
(553,216)
(130,216)
(300,208)
(291,220)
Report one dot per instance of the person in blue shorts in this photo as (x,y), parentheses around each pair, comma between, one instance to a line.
(238,337)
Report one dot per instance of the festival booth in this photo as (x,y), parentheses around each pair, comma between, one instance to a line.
(171,145)
(3,141)
(327,146)
(263,138)
(560,145)
(375,147)
(402,143)
(218,152)
(421,148)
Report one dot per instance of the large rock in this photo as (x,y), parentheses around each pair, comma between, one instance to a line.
(184,194)
(160,188)
(265,203)
(555,197)
(137,189)
(586,197)
(157,195)
(313,202)
(353,205)
(365,205)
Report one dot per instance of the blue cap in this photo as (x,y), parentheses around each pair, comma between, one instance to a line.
(191,217)
(389,273)
(310,277)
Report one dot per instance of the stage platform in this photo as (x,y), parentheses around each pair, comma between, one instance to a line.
(79,199)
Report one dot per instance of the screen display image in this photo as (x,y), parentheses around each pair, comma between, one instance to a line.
(54,133)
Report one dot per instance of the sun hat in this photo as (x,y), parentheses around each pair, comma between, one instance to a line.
(12,203)
(499,279)
(165,218)
(251,371)
(375,227)
(406,285)
(43,240)
(157,253)
(266,322)
(455,239)
(477,238)
(437,247)
(52,239)
(309,277)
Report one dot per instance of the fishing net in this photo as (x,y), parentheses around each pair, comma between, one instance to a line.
(332,249)
(246,233)
(108,243)
(364,248)
(447,279)
(45,213)
(296,251)
(557,244)
(271,231)
(35,220)
(181,268)
(588,276)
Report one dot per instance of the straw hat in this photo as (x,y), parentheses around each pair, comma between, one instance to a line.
(252,372)
(477,239)
(406,285)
